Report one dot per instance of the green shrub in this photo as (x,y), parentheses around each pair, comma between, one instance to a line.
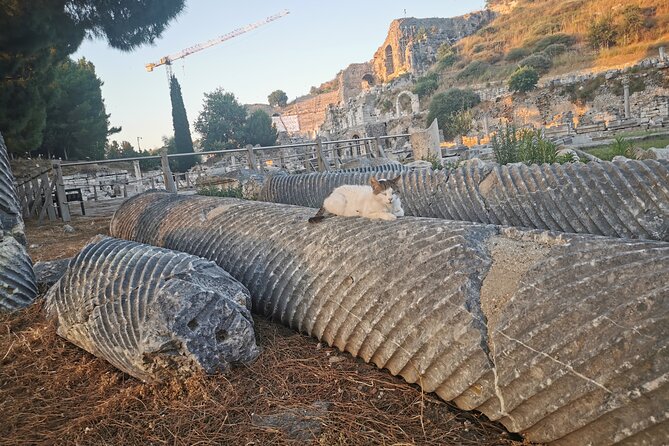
(447,61)
(516,54)
(545,42)
(602,33)
(229,192)
(539,62)
(555,49)
(523,79)
(444,106)
(444,50)
(621,147)
(586,91)
(524,146)
(426,85)
(475,70)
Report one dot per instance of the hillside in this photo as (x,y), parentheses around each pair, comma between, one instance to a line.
(556,38)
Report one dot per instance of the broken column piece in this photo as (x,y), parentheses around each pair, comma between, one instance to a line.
(153,312)
(559,336)
(17,278)
(628,199)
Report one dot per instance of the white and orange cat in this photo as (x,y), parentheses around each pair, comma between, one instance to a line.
(376,201)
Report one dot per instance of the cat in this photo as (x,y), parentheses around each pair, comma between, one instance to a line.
(376,201)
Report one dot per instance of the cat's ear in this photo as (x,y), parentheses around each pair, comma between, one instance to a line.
(395,180)
(376,186)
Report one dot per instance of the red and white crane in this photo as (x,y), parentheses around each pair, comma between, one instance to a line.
(167,60)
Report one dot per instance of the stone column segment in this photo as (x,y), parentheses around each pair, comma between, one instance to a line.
(560,337)
(628,199)
(17,278)
(152,312)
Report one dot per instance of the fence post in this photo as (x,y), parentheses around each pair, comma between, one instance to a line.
(307,159)
(47,187)
(138,176)
(252,162)
(323,165)
(379,148)
(60,192)
(167,173)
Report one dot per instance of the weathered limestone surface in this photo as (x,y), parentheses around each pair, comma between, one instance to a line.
(627,199)
(561,337)
(152,312)
(17,279)
(49,272)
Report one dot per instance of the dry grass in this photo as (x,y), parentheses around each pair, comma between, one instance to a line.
(53,393)
(50,242)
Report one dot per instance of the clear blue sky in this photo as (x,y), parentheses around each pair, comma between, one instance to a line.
(305,48)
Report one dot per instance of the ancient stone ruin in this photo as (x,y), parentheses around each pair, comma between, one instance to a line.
(152,312)
(17,279)
(560,337)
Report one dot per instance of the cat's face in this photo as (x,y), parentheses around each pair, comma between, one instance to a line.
(383,189)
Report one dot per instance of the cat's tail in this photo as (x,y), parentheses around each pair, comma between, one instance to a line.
(319,217)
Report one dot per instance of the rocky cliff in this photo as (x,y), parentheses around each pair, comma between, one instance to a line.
(411,45)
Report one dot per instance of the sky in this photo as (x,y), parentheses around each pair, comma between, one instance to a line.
(303,49)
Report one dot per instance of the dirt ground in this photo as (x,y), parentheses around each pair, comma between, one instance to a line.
(298,391)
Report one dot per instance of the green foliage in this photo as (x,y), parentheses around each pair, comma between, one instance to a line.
(586,91)
(227,192)
(221,121)
(553,39)
(434,160)
(386,105)
(555,49)
(460,123)
(621,147)
(447,61)
(475,70)
(444,107)
(114,150)
(258,129)
(539,62)
(516,54)
(277,98)
(632,23)
(182,139)
(77,124)
(523,146)
(37,35)
(426,85)
(421,34)
(523,79)
(602,33)
(444,50)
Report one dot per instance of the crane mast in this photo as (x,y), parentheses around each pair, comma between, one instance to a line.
(167,60)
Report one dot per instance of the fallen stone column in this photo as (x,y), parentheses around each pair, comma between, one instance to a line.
(17,278)
(560,337)
(152,312)
(624,199)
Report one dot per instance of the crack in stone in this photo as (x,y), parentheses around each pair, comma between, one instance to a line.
(564,364)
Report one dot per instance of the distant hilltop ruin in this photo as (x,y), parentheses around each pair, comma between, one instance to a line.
(409,48)
(411,45)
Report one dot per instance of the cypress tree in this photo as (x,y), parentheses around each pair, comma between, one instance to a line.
(182,139)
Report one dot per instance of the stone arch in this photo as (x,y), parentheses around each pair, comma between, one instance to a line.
(415,104)
(390,65)
(367,81)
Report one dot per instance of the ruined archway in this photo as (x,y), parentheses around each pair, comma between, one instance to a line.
(367,81)
(390,66)
(414,104)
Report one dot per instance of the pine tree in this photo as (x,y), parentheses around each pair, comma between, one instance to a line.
(38,34)
(182,140)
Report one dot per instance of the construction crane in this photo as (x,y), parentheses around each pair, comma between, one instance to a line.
(167,60)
